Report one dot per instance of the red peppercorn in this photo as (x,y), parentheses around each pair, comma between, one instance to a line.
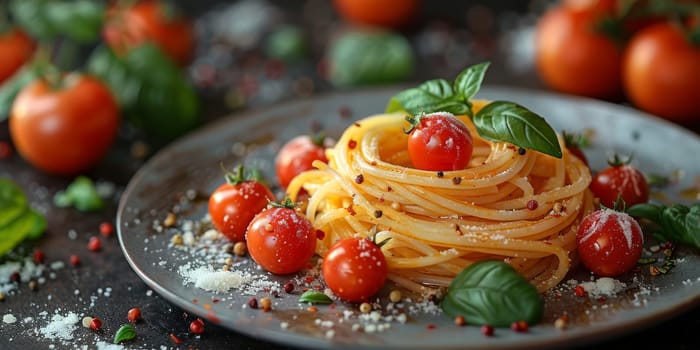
(532,204)
(94,245)
(253,303)
(197,326)
(15,277)
(75,260)
(289,287)
(175,339)
(579,291)
(519,326)
(106,229)
(95,324)
(38,256)
(134,314)
(5,150)
(487,330)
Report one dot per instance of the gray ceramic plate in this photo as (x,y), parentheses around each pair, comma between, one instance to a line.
(193,164)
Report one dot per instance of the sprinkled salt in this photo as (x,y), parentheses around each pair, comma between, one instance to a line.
(9,318)
(61,327)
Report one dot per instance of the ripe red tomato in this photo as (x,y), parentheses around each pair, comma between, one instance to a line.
(623,180)
(572,57)
(575,144)
(234,204)
(16,47)
(386,13)
(609,242)
(661,73)
(64,127)
(128,26)
(296,156)
(281,240)
(439,142)
(355,269)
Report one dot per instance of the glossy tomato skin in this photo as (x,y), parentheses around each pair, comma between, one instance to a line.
(281,240)
(296,157)
(385,13)
(440,142)
(609,243)
(625,181)
(572,57)
(661,73)
(67,129)
(355,269)
(16,48)
(150,21)
(233,206)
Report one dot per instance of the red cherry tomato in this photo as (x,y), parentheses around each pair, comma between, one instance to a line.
(235,203)
(131,25)
(64,127)
(296,157)
(16,47)
(572,57)
(439,142)
(281,240)
(355,269)
(575,143)
(609,242)
(385,13)
(661,73)
(621,180)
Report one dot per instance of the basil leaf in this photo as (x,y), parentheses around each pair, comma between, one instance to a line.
(124,333)
(10,88)
(315,297)
(81,194)
(510,122)
(431,96)
(678,223)
(17,220)
(469,81)
(78,20)
(492,293)
(13,203)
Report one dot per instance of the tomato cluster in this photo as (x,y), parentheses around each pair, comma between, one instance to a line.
(610,49)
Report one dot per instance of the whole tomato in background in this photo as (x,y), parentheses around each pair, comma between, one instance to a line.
(574,55)
(385,13)
(297,156)
(661,72)
(129,26)
(64,127)
(16,47)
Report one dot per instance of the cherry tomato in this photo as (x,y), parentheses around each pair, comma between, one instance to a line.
(385,13)
(64,127)
(16,47)
(573,57)
(296,156)
(439,142)
(235,203)
(355,269)
(281,240)
(661,73)
(128,26)
(609,242)
(623,180)
(575,144)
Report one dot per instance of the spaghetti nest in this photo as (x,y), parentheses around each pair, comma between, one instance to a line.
(519,207)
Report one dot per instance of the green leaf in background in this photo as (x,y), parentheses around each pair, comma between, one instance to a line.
(78,20)
(492,293)
(18,221)
(677,223)
(369,58)
(315,297)
(81,194)
(153,92)
(12,87)
(286,43)
(507,121)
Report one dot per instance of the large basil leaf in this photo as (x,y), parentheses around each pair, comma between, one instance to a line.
(153,92)
(678,223)
(492,293)
(432,96)
(510,122)
(469,81)
(79,20)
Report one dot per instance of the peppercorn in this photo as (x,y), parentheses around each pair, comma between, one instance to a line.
(289,287)
(266,304)
(134,314)
(38,256)
(95,324)
(365,308)
(240,248)
(197,326)
(395,296)
(75,260)
(460,321)
(94,245)
(487,330)
(106,229)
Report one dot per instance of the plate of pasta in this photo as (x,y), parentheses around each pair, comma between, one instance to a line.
(510,203)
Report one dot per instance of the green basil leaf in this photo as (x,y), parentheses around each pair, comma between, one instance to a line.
(492,293)
(647,211)
(78,20)
(10,89)
(13,203)
(14,232)
(124,333)
(678,223)
(152,91)
(81,194)
(431,96)
(469,81)
(17,220)
(506,121)
(315,297)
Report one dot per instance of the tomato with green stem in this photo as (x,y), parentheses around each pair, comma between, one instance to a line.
(620,179)
(297,156)
(439,142)
(355,269)
(66,125)
(235,203)
(280,239)
(16,48)
(609,242)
